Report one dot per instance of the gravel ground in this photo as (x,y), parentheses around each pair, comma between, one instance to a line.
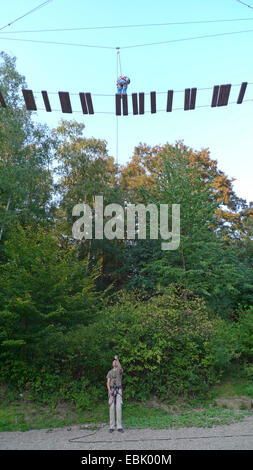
(237,436)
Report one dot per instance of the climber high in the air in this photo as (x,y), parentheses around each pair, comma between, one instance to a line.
(122,85)
(122,81)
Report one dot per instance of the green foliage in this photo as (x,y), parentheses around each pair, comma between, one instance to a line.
(232,344)
(23,415)
(163,342)
(45,293)
(204,263)
(244,333)
(25,154)
(175,317)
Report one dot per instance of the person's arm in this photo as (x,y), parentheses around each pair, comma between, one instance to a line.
(108,386)
(118,363)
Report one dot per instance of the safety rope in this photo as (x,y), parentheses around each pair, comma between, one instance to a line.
(119,62)
(153,439)
(117,122)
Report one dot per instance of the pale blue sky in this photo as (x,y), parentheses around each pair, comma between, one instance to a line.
(200,63)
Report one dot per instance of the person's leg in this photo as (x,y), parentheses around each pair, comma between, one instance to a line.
(119,89)
(112,412)
(119,409)
(124,89)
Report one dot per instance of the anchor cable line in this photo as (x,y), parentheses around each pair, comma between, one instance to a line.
(170,41)
(147,25)
(26,14)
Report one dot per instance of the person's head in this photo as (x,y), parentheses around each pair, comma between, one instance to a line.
(114,363)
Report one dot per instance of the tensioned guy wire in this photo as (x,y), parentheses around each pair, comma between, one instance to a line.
(58,43)
(245,4)
(188,38)
(147,25)
(148,111)
(130,46)
(146,93)
(26,14)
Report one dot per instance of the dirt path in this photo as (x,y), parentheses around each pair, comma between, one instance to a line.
(238,436)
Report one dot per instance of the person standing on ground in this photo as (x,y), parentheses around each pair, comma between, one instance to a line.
(114,387)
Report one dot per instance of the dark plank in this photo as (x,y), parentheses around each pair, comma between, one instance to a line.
(135,103)
(153,101)
(29,100)
(89,103)
(169,101)
(118,104)
(141,103)
(193,98)
(46,101)
(83,103)
(224,95)
(242,92)
(2,101)
(216,89)
(187,94)
(125,105)
(65,102)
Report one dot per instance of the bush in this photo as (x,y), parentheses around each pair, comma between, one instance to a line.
(244,332)
(223,347)
(232,345)
(167,343)
(162,342)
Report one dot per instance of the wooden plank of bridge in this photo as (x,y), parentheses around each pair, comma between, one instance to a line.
(224,95)
(83,103)
(187,94)
(125,105)
(216,89)
(242,92)
(89,103)
(141,103)
(46,101)
(135,103)
(153,101)
(118,104)
(65,102)
(169,101)
(29,100)
(193,98)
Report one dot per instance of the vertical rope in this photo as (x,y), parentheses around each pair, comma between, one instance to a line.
(117,123)
(119,63)
(117,156)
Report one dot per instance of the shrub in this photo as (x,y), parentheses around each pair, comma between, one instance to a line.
(162,342)
(244,332)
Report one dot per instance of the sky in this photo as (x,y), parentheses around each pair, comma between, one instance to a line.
(201,63)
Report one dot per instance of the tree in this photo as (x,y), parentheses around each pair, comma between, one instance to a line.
(86,170)
(204,262)
(44,293)
(146,162)
(25,154)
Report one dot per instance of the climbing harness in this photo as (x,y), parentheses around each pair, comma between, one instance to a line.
(115,391)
